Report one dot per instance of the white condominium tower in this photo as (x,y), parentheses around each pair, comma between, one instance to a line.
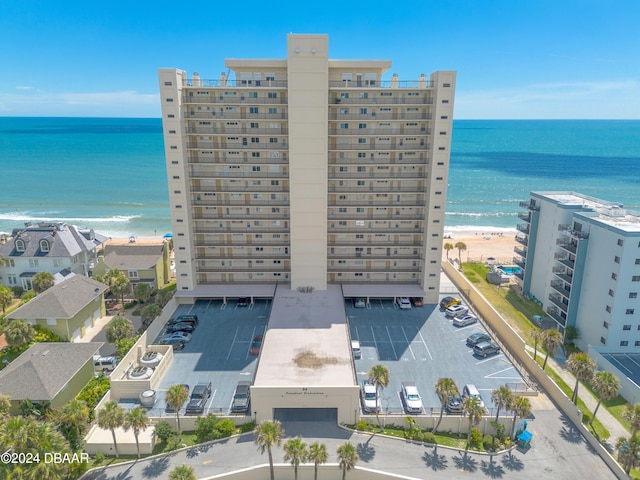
(307,171)
(581,259)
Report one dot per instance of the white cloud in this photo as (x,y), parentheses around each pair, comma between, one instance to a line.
(606,99)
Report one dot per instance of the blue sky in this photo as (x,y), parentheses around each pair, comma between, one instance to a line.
(515,59)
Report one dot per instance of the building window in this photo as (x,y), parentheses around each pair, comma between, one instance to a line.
(605,324)
(362,125)
(133,274)
(273,95)
(637,343)
(344,94)
(626,327)
(624,343)
(611,293)
(44,245)
(603,341)
(254,110)
(637,261)
(344,126)
(616,259)
(445,101)
(608,309)
(635,278)
(33,263)
(362,140)
(620,242)
(364,95)
(614,276)
(629,311)
(633,294)
(169,100)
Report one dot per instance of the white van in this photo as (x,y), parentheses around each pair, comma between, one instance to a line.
(104,364)
(355,348)
(470,390)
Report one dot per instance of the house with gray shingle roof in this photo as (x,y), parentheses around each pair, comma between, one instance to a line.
(48,373)
(68,309)
(48,247)
(149,263)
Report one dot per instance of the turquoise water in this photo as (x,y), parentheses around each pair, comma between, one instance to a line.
(510,270)
(109,173)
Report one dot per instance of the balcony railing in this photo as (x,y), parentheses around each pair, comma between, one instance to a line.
(231,115)
(520,251)
(526,216)
(529,206)
(237,174)
(377,100)
(392,159)
(557,300)
(375,174)
(222,158)
(522,240)
(234,147)
(565,228)
(523,227)
(373,130)
(561,288)
(204,130)
(555,314)
(385,84)
(382,146)
(334,114)
(375,243)
(373,230)
(519,261)
(566,245)
(232,83)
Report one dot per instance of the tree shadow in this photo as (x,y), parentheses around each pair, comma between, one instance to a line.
(195,451)
(570,433)
(512,462)
(491,469)
(156,467)
(365,451)
(465,462)
(435,461)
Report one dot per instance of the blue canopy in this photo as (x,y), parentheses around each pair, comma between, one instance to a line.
(525,436)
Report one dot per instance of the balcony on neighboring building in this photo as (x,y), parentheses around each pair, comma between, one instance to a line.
(523,227)
(562,273)
(567,245)
(555,313)
(564,260)
(529,206)
(519,261)
(567,229)
(520,251)
(526,216)
(557,300)
(561,288)
(522,240)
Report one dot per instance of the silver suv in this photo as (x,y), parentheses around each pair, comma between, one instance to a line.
(485,349)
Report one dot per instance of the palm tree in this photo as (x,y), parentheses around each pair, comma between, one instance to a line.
(295,451)
(448,247)
(269,434)
(379,376)
(6,297)
(111,416)
(136,419)
(521,407)
(182,472)
(176,397)
(142,292)
(347,457)
(118,328)
(445,388)
(501,397)
(628,452)
(461,246)
(607,386)
(73,418)
(537,335)
(474,410)
(5,406)
(18,333)
(551,340)
(42,281)
(318,454)
(582,366)
(632,415)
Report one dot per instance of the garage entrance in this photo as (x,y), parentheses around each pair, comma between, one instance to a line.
(316,422)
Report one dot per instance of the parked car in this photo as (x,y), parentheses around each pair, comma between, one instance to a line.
(456,310)
(447,302)
(485,349)
(477,338)
(355,349)
(243,302)
(256,345)
(184,318)
(454,405)
(404,303)
(181,327)
(359,303)
(104,364)
(370,398)
(464,320)
(241,397)
(470,390)
(177,339)
(169,408)
(199,396)
(411,398)
(417,301)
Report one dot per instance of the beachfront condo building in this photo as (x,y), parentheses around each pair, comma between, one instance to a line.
(307,171)
(581,261)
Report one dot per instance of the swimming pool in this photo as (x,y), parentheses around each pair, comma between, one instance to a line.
(510,269)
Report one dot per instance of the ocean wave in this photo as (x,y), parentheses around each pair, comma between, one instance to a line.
(482,214)
(27,217)
(479,228)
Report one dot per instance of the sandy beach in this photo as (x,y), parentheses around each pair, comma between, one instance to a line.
(483,245)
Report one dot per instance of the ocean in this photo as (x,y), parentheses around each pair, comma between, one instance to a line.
(109,173)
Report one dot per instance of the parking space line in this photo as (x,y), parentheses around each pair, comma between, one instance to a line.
(425,345)
(488,359)
(232,343)
(491,375)
(373,334)
(395,354)
(408,343)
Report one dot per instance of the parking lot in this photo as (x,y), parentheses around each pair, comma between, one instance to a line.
(421,345)
(218,351)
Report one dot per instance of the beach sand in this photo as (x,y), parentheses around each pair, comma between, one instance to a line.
(483,245)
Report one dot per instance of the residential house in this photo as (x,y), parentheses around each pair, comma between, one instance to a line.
(56,248)
(68,309)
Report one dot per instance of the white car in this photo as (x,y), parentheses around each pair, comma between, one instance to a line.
(370,398)
(404,303)
(464,320)
(411,398)
(456,310)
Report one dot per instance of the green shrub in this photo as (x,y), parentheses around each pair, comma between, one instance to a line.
(136,312)
(44,335)
(507,443)
(476,437)
(225,427)
(98,458)
(130,304)
(17,291)
(174,442)
(206,428)
(27,296)
(361,425)
(500,432)
(429,437)
(93,392)
(164,430)
(487,443)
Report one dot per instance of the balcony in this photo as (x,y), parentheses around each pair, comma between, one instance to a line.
(522,240)
(561,288)
(406,189)
(382,146)
(373,130)
(529,206)
(386,100)
(523,227)
(555,314)
(378,202)
(562,274)
(526,216)
(378,116)
(375,229)
(242,229)
(238,174)
(382,242)
(224,158)
(232,83)
(391,159)
(229,115)
(363,268)
(569,246)
(565,228)
(376,174)
(237,131)
(231,100)
(368,256)
(557,300)
(519,261)
(520,251)
(203,145)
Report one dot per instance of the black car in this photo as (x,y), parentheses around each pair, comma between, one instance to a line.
(243,302)
(170,409)
(241,398)
(181,327)
(477,338)
(199,396)
(184,319)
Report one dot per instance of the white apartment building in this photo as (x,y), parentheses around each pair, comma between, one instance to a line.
(307,171)
(581,260)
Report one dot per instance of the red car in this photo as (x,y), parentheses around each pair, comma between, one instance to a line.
(417,302)
(256,343)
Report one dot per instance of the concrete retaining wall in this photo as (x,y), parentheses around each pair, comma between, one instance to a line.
(511,341)
(450,423)
(329,471)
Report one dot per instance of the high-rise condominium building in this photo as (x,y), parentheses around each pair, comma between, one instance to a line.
(581,259)
(307,171)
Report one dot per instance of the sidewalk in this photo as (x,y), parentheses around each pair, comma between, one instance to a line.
(609,421)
